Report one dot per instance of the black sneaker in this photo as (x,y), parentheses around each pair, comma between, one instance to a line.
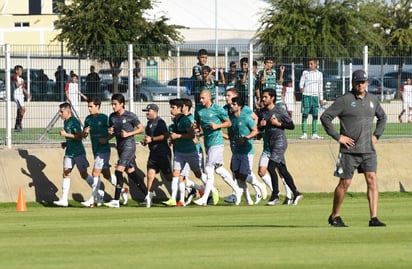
(336,221)
(374,222)
(287,201)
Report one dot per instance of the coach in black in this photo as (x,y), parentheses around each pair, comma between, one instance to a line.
(356,111)
(160,155)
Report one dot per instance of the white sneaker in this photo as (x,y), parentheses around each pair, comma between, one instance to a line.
(100,196)
(238,194)
(148,199)
(61,203)
(273,202)
(113,204)
(316,137)
(200,202)
(304,137)
(297,199)
(124,196)
(230,199)
(258,199)
(88,203)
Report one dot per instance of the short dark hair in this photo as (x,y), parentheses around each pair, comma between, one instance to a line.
(17,67)
(118,97)
(187,102)
(207,68)
(271,92)
(176,102)
(239,101)
(202,52)
(234,90)
(96,101)
(244,59)
(269,58)
(65,105)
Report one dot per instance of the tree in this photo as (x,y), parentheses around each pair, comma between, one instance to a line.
(305,28)
(103,29)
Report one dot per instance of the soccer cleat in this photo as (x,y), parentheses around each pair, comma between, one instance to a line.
(180,204)
(190,196)
(113,204)
(287,201)
(336,221)
(238,194)
(88,203)
(400,119)
(200,202)
(273,202)
(170,202)
(124,196)
(297,199)
(230,199)
(304,137)
(148,199)
(61,203)
(100,196)
(316,137)
(374,222)
(264,192)
(258,199)
(215,196)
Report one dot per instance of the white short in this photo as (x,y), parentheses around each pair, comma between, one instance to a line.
(407,105)
(290,106)
(181,159)
(19,99)
(242,163)
(214,155)
(80,161)
(264,159)
(102,161)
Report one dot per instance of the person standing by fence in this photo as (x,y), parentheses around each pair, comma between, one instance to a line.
(19,91)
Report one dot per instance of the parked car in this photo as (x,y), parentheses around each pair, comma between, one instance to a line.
(41,87)
(150,89)
(407,73)
(184,83)
(387,89)
(2,90)
(332,85)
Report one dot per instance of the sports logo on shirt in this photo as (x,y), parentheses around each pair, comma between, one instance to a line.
(371,104)
(353,104)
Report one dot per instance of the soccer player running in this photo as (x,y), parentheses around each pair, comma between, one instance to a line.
(124,125)
(211,118)
(185,151)
(96,126)
(160,154)
(356,111)
(74,154)
(241,135)
(274,120)
(247,112)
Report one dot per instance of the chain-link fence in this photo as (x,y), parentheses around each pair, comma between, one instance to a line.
(47,69)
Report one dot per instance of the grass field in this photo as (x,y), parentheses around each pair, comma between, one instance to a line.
(223,236)
(32,135)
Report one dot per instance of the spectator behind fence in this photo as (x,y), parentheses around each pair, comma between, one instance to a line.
(137,80)
(72,92)
(20,90)
(311,87)
(197,79)
(92,82)
(356,111)
(61,78)
(406,94)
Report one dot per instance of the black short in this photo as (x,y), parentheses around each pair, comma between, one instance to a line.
(160,163)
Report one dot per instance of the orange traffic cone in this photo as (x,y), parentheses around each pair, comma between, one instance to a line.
(21,203)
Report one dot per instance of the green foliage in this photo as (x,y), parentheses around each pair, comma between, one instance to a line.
(103,29)
(334,29)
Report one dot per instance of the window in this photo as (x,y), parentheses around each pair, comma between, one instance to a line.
(34,7)
(22,24)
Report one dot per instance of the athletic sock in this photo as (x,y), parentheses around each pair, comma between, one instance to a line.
(175,187)
(65,189)
(288,191)
(221,171)
(268,180)
(182,189)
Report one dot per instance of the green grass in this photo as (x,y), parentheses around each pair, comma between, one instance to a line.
(223,236)
(32,135)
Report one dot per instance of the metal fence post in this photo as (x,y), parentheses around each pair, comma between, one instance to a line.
(8,97)
(131,80)
(251,80)
(178,72)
